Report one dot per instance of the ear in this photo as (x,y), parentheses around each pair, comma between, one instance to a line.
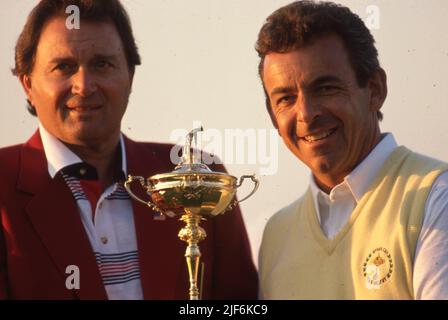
(378,89)
(25,80)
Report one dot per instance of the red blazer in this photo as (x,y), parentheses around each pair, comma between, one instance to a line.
(41,234)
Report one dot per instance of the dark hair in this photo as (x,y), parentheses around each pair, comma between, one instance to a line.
(90,10)
(298,24)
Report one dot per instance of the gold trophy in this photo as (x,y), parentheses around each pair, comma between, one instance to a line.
(192,192)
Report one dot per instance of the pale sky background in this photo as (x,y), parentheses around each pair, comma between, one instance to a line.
(199,63)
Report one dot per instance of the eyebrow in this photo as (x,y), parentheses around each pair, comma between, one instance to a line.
(60,59)
(281,90)
(105,56)
(314,83)
(57,60)
(325,79)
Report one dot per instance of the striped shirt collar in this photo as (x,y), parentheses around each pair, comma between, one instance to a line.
(59,156)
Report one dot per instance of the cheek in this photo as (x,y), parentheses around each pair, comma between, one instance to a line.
(118,91)
(343,112)
(287,129)
(49,93)
(47,98)
(286,124)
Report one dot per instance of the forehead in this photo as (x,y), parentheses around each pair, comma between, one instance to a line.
(325,56)
(92,37)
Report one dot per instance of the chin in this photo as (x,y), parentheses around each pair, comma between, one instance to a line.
(89,136)
(321,167)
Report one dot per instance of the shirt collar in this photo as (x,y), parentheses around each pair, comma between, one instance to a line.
(59,156)
(359,180)
(362,176)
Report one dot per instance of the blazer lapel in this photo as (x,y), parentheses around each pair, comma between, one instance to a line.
(55,217)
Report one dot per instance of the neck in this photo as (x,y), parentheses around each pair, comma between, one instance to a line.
(102,157)
(327,182)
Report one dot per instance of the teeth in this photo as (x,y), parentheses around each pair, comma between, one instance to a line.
(320,136)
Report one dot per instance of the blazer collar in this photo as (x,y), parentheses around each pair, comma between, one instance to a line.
(55,218)
(33,174)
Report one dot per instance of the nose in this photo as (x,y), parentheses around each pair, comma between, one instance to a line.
(83,83)
(308,110)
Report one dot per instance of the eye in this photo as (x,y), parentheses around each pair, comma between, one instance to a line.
(285,100)
(64,67)
(103,64)
(327,90)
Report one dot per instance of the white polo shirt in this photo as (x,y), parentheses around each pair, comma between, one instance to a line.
(109,226)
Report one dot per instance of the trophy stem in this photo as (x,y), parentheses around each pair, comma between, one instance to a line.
(192,233)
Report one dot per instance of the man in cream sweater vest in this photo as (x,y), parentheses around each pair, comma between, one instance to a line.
(373,223)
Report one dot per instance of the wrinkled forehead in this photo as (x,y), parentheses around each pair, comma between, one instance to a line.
(91,38)
(325,56)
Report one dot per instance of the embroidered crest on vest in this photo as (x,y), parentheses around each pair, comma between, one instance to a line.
(377,268)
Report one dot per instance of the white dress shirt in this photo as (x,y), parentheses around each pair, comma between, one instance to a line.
(430,278)
(110,229)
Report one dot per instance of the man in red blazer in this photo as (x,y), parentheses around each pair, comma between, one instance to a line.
(68,229)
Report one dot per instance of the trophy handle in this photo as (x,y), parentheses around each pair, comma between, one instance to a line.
(127,185)
(240,182)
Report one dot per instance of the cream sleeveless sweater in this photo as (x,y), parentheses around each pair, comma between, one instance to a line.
(372,255)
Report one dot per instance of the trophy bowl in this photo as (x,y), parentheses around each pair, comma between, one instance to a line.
(192,192)
(205,194)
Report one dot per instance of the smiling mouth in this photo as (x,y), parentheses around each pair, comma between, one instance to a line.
(319,136)
(83,108)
